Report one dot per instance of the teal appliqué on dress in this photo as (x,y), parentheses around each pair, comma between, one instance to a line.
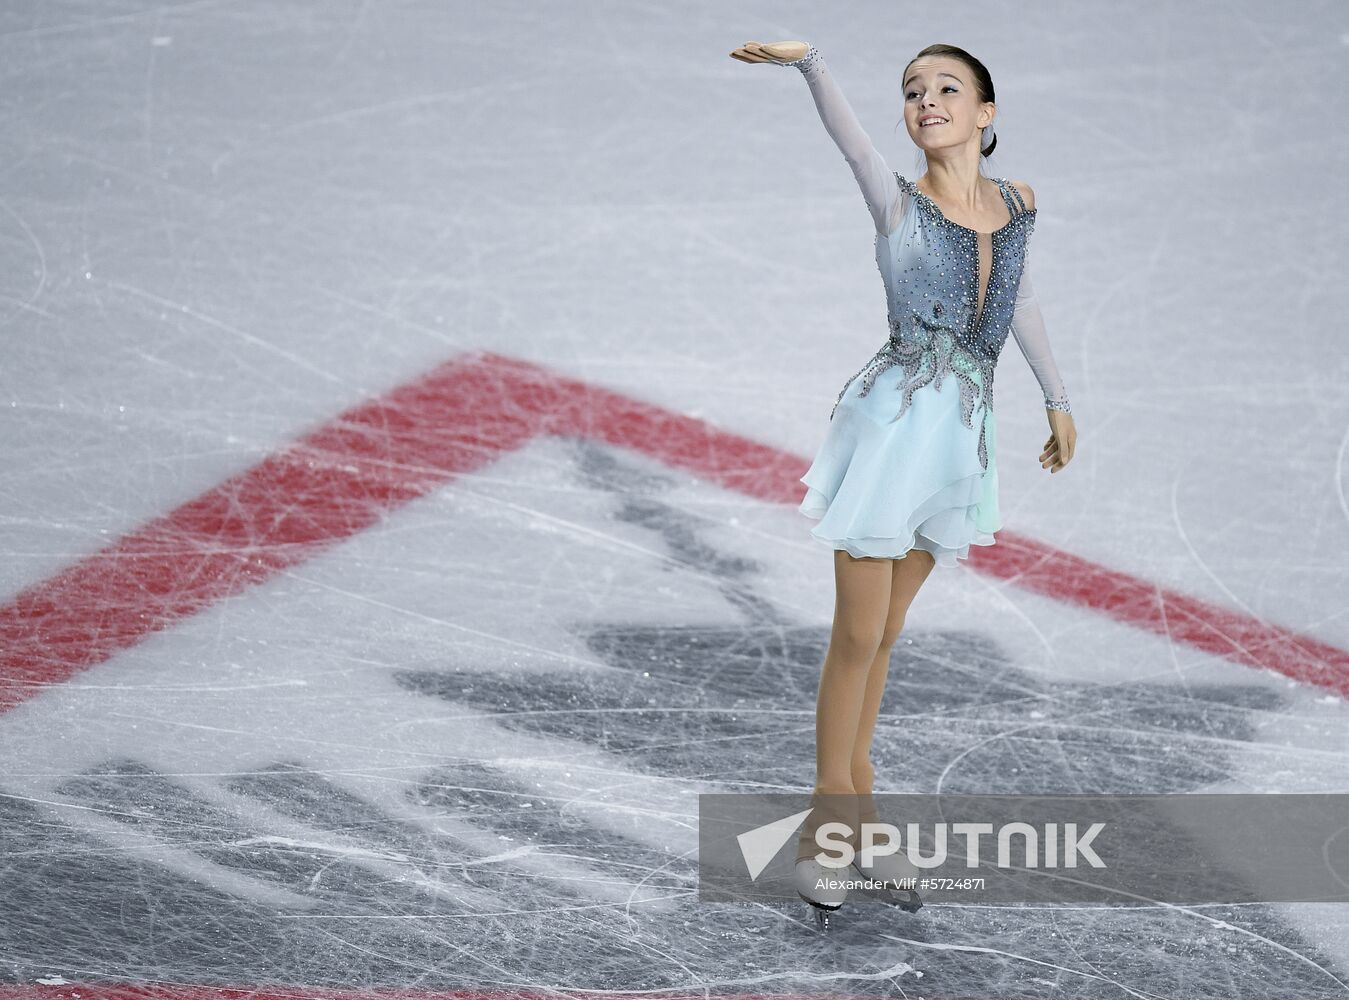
(930,266)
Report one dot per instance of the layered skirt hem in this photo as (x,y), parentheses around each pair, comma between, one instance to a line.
(881,487)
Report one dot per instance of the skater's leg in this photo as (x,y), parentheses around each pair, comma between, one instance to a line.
(861,606)
(893,870)
(907,577)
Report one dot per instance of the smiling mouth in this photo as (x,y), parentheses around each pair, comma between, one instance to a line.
(938,122)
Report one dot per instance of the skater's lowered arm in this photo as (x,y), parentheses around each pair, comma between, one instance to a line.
(879,188)
(1028,327)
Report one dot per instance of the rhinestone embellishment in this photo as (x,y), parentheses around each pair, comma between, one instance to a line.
(935,344)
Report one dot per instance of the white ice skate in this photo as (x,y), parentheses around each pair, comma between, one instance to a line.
(822,887)
(894,870)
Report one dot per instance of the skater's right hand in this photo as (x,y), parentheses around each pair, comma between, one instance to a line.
(775,52)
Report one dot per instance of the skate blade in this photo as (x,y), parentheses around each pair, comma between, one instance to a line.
(906,899)
(824,907)
(824,915)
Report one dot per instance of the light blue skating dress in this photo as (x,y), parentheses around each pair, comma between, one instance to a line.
(909,455)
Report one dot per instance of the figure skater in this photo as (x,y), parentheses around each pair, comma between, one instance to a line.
(906,477)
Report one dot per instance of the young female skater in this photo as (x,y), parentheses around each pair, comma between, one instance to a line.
(906,477)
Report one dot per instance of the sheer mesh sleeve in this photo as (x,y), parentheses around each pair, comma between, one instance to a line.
(880,189)
(1028,327)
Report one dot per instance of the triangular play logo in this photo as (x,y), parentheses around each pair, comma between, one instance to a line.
(760,845)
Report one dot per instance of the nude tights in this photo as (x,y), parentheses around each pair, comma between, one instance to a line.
(872,598)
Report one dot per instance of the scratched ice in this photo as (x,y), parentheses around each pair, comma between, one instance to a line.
(335,652)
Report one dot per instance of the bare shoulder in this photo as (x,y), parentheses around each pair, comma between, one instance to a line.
(1026,192)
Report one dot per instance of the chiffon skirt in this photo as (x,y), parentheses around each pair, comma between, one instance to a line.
(880,487)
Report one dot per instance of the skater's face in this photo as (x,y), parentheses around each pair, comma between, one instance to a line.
(944,87)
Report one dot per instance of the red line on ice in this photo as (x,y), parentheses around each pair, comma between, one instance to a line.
(159,990)
(342,477)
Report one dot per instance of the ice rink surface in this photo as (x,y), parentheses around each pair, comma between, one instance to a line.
(401,406)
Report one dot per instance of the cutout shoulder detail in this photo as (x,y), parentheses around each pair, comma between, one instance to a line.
(1025,194)
(1010,195)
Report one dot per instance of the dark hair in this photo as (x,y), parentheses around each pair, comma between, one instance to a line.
(983,83)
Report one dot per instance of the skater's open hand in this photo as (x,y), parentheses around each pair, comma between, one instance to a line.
(1062,440)
(778,52)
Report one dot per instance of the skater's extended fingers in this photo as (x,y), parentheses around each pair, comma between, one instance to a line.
(746,56)
(775,52)
(785,51)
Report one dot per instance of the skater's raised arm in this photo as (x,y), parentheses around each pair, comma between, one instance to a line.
(1028,327)
(880,189)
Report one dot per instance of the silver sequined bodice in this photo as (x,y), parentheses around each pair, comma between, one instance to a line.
(938,328)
